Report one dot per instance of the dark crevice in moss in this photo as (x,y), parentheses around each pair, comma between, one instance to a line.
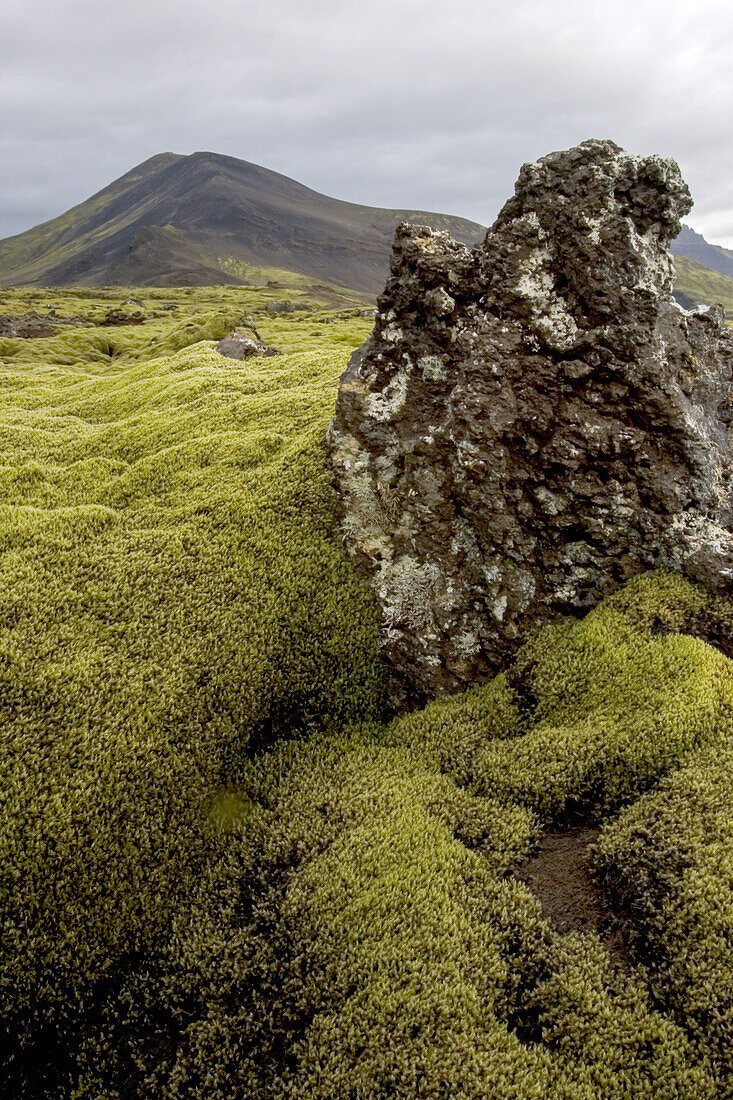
(519,677)
(713,628)
(560,873)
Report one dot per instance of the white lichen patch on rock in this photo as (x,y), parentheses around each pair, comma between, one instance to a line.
(409,590)
(536,285)
(440,301)
(594,229)
(387,403)
(498,607)
(432,367)
(656,271)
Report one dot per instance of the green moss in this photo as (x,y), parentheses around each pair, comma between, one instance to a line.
(615,701)
(221,876)
(172,594)
(668,862)
(704,285)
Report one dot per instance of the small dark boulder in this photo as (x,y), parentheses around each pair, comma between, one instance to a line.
(241,345)
(119,316)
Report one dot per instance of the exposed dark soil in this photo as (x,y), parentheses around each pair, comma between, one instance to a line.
(559,874)
(29,326)
(32,325)
(713,629)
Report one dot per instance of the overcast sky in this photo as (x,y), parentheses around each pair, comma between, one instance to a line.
(430,104)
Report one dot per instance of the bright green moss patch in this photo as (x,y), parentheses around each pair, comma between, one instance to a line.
(614,702)
(172,592)
(668,862)
(220,875)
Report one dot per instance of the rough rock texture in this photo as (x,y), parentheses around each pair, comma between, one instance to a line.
(240,345)
(535,420)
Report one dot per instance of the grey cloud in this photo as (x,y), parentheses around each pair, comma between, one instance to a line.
(407,103)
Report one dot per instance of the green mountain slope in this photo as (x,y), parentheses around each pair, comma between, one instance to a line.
(29,252)
(695,247)
(703,286)
(205,206)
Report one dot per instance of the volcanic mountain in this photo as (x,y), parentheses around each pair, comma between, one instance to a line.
(208,219)
(195,220)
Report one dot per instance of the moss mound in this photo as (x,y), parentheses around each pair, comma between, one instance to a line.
(223,875)
(172,595)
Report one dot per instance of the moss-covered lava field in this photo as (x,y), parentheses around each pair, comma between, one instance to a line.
(226,871)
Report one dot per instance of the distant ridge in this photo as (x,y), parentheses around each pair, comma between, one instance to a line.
(173,219)
(198,220)
(695,247)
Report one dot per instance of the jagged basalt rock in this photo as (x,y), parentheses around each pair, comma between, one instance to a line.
(535,420)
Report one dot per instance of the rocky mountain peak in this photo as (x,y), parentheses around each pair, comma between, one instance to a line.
(534,420)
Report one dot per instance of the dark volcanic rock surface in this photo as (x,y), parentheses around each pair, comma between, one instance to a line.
(534,420)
